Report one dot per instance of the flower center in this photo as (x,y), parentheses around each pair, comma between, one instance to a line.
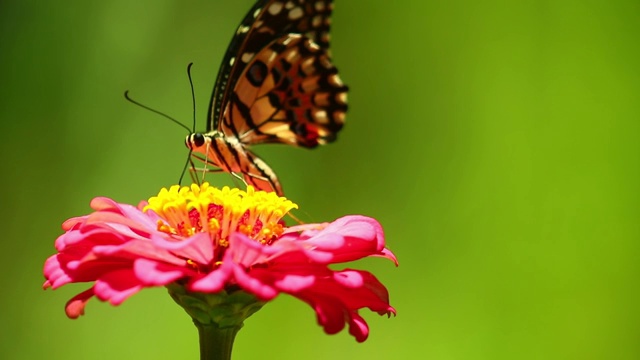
(186,211)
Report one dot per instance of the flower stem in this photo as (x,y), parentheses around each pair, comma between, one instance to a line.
(216,343)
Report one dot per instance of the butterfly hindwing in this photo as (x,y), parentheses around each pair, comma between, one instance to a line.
(289,93)
(267,21)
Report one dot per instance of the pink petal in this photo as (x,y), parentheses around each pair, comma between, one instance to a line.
(54,274)
(246,252)
(388,254)
(215,280)
(198,247)
(358,327)
(254,285)
(87,235)
(73,223)
(329,312)
(75,307)
(117,286)
(295,283)
(347,239)
(153,273)
(337,299)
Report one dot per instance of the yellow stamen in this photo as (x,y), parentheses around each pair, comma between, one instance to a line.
(220,212)
(165,228)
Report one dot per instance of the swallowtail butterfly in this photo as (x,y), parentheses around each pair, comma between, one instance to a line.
(276,84)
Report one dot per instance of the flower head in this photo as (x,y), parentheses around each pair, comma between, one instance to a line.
(206,240)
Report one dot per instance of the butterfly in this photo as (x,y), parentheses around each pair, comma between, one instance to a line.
(276,84)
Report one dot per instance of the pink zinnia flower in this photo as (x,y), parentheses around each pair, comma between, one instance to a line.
(203,240)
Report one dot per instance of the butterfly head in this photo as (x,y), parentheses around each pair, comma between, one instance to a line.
(195,141)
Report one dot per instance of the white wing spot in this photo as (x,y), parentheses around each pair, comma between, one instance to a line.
(246,57)
(232,61)
(256,13)
(291,38)
(296,13)
(342,98)
(321,116)
(316,21)
(312,46)
(275,8)
(335,81)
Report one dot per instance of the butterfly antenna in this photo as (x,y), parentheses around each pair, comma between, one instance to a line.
(193,96)
(193,102)
(126,96)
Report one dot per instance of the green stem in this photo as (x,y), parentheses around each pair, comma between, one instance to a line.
(216,343)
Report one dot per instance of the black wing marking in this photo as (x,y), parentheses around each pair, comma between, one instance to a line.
(267,21)
(289,93)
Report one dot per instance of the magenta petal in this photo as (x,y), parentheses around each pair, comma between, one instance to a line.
(153,273)
(297,252)
(73,223)
(148,220)
(105,206)
(178,244)
(117,286)
(349,238)
(75,306)
(295,283)
(215,280)
(330,314)
(251,284)
(351,279)
(245,251)
(337,297)
(102,203)
(198,247)
(370,293)
(387,254)
(358,327)
(336,235)
(56,277)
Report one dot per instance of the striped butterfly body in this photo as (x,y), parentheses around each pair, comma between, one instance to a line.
(276,84)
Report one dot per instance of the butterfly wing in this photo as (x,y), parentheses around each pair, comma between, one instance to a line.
(267,21)
(289,93)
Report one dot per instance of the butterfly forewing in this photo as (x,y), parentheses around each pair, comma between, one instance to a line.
(289,93)
(265,22)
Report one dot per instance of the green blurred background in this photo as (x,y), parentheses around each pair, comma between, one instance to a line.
(496,141)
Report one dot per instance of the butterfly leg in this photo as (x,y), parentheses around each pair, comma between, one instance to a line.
(195,170)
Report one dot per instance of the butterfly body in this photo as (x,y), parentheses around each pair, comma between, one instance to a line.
(230,155)
(276,84)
